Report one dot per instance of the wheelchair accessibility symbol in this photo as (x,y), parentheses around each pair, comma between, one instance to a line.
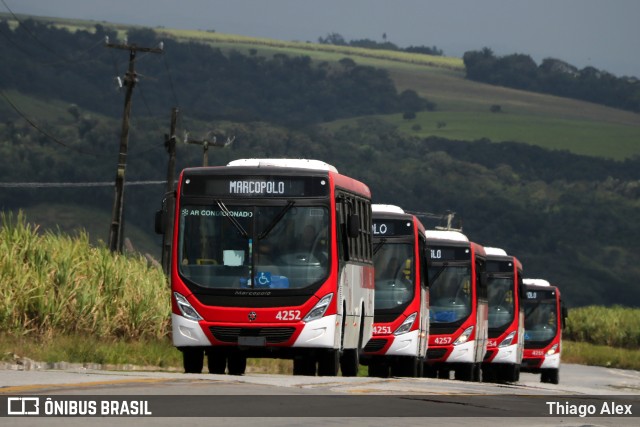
(263,279)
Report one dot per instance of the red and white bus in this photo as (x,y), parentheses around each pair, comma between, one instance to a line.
(505,346)
(272,258)
(544,319)
(401,319)
(458,306)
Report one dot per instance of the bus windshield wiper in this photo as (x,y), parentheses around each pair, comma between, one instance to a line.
(276,220)
(438,273)
(379,245)
(234,221)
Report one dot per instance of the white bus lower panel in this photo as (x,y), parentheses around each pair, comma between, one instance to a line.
(405,344)
(318,333)
(552,361)
(187,333)
(508,355)
(463,353)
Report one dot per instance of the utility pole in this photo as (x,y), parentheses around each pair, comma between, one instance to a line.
(169,197)
(130,79)
(205,145)
(170,144)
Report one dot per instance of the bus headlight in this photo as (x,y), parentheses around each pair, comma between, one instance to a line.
(507,341)
(406,325)
(319,309)
(464,337)
(552,350)
(186,309)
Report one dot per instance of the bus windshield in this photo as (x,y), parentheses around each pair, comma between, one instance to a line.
(450,293)
(282,246)
(501,303)
(393,275)
(540,320)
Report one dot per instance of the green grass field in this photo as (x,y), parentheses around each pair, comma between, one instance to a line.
(463,105)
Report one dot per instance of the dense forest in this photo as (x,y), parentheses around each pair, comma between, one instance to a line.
(568,218)
(215,85)
(553,76)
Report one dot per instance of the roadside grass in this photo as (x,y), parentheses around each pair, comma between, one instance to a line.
(160,355)
(583,353)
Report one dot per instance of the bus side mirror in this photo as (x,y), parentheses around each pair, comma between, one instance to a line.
(160,223)
(565,314)
(353,226)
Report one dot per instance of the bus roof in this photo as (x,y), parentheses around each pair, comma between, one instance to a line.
(285,163)
(446,235)
(387,208)
(536,282)
(494,251)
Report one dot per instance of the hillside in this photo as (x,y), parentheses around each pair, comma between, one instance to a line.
(568,215)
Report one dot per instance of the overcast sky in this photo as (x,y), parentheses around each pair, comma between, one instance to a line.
(601,33)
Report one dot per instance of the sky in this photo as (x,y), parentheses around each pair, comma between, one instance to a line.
(599,33)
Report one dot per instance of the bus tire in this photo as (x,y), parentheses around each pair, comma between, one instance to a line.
(329,363)
(193,360)
(216,362)
(405,367)
(349,362)
(550,376)
(511,373)
(378,369)
(237,364)
(429,371)
(304,366)
(465,372)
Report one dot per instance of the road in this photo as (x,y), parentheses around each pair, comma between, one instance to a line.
(281,400)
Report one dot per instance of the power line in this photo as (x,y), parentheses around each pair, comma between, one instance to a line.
(43,132)
(74,184)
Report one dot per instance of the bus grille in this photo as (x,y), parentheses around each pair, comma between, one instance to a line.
(436,353)
(231,334)
(374,345)
(532,362)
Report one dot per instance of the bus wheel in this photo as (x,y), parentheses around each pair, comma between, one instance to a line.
(237,364)
(350,362)
(304,366)
(430,371)
(216,362)
(477,372)
(511,373)
(329,363)
(488,374)
(193,360)
(465,372)
(378,369)
(550,376)
(405,367)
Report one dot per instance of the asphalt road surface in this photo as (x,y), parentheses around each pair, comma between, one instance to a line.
(604,396)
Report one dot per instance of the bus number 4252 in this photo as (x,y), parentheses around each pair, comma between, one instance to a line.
(288,315)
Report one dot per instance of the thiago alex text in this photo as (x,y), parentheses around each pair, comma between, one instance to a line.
(585,410)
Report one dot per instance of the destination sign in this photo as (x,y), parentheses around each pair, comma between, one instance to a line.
(539,295)
(499,266)
(448,253)
(392,227)
(255,186)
